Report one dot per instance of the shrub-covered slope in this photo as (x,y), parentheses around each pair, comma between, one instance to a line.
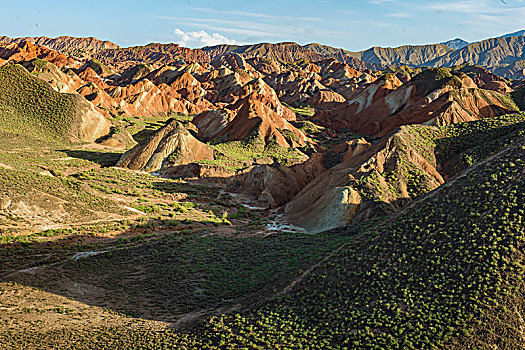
(445,271)
(29,106)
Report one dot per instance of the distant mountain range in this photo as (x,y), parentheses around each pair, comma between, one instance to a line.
(504,55)
(456,44)
(518,33)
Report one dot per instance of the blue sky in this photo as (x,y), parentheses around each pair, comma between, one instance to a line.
(353,25)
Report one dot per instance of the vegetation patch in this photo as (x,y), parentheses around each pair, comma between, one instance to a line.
(29,106)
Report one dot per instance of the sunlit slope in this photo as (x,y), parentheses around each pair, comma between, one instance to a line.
(31,108)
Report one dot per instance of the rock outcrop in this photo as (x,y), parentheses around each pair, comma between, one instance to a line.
(250,120)
(361,185)
(271,186)
(326,99)
(88,124)
(170,146)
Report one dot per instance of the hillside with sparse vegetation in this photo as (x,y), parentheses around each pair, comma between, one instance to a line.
(441,272)
(270,196)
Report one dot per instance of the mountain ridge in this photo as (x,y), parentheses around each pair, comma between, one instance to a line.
(499,54)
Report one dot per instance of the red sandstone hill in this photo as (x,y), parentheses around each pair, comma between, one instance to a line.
(160,54)
(26,51)
(433,97)
(251,119)
(503,55)
(485,79)
(145,98)
(289,52)
(334,198)
(67,44)
(283,52)
(295,86)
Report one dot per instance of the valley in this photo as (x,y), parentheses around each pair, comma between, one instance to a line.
(261,196)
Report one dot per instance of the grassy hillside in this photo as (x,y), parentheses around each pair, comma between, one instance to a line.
(472,142)
(30,107)
(424,278)
(445,272)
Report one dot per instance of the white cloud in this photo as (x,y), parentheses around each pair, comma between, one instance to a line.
(484,17)
(257,14)
(254,31)
(474,7)
(200,38)
(468,6)
(399,15)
